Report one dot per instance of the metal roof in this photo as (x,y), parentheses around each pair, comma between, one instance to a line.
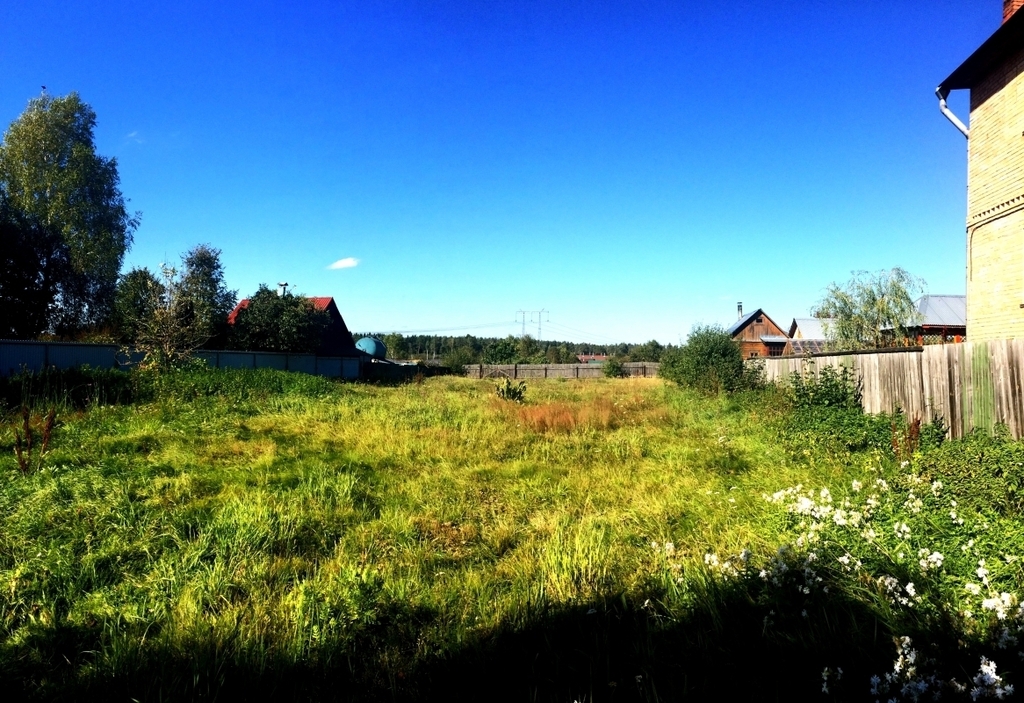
(740,323)
(774,339)
(1006,41)
(807,328)
(942,310)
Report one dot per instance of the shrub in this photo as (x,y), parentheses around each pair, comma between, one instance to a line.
(457,359)
(831,388)
(709,362)
(612,368)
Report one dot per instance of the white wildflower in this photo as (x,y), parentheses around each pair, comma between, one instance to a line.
(856,486)
(930,561)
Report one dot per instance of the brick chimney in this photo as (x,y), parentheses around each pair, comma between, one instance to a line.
(1009,7)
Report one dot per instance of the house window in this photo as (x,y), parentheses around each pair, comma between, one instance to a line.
(753,355)
(759,320)
(775,351)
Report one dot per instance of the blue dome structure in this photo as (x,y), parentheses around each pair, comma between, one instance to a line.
(373,347)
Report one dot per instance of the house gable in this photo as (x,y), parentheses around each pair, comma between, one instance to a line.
(759,335)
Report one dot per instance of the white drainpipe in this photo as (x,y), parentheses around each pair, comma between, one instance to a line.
(943,94)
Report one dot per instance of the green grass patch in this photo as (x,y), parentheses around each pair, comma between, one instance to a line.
(256,534)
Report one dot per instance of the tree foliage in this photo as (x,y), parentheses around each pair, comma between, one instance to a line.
(52,174)
(202,284)
(872,310)
(278,323)
(174,329)
(139,294)
(33,262)
(648,351)
(709,362)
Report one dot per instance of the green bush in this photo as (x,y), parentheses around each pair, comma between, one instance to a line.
(458,358)
(709,362)
(831,388)
(612,368)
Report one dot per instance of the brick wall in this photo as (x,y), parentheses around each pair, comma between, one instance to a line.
(995,205)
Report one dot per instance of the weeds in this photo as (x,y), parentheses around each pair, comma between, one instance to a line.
(24,438)
(514,391)
(229,534)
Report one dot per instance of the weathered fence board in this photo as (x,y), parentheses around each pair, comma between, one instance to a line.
(640,369)
(973,385)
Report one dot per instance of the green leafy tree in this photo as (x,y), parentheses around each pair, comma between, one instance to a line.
(502,351)
(560,354)
(33,262)
(872,310)
(51,172)
(612,368)
(279,323)
(458,358)
(202,285)
(139,295)
(649,351)
(395,343)
(709,362)
(171,331)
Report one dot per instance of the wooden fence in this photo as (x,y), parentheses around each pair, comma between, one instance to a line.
(974,385)
(635,369)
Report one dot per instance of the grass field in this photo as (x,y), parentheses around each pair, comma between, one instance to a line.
(261,535)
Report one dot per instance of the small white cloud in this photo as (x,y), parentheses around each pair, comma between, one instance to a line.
(134,137)
(346,263)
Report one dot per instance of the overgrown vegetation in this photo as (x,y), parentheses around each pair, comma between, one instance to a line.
(709,362)
(229,534)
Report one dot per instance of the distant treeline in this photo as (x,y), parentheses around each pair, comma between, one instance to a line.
(459,351)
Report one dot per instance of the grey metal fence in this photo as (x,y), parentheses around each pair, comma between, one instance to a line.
(18,355)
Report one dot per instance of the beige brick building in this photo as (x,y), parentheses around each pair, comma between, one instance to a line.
(994,74)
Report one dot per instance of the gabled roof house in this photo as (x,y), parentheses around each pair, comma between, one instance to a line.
(758,335)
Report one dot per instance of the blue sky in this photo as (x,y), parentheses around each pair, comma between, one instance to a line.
(634,168)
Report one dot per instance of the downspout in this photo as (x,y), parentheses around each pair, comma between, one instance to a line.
(942,94)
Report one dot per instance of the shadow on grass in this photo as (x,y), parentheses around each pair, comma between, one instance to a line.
(608,651)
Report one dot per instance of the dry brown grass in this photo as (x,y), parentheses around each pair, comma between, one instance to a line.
(599,414)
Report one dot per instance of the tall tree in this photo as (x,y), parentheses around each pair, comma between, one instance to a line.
(139,294)
(51,172)
(872,310)
(33,261)
(202,285)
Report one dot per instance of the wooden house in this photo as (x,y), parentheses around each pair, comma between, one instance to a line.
(758,335)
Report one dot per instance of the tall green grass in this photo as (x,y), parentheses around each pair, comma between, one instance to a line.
(262,534)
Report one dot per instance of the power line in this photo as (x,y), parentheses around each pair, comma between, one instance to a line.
(454,329)
(595,337)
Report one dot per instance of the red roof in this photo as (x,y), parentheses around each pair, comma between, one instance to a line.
(321,303)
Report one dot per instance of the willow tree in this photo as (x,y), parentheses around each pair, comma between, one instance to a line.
(52,174)
(872,310)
